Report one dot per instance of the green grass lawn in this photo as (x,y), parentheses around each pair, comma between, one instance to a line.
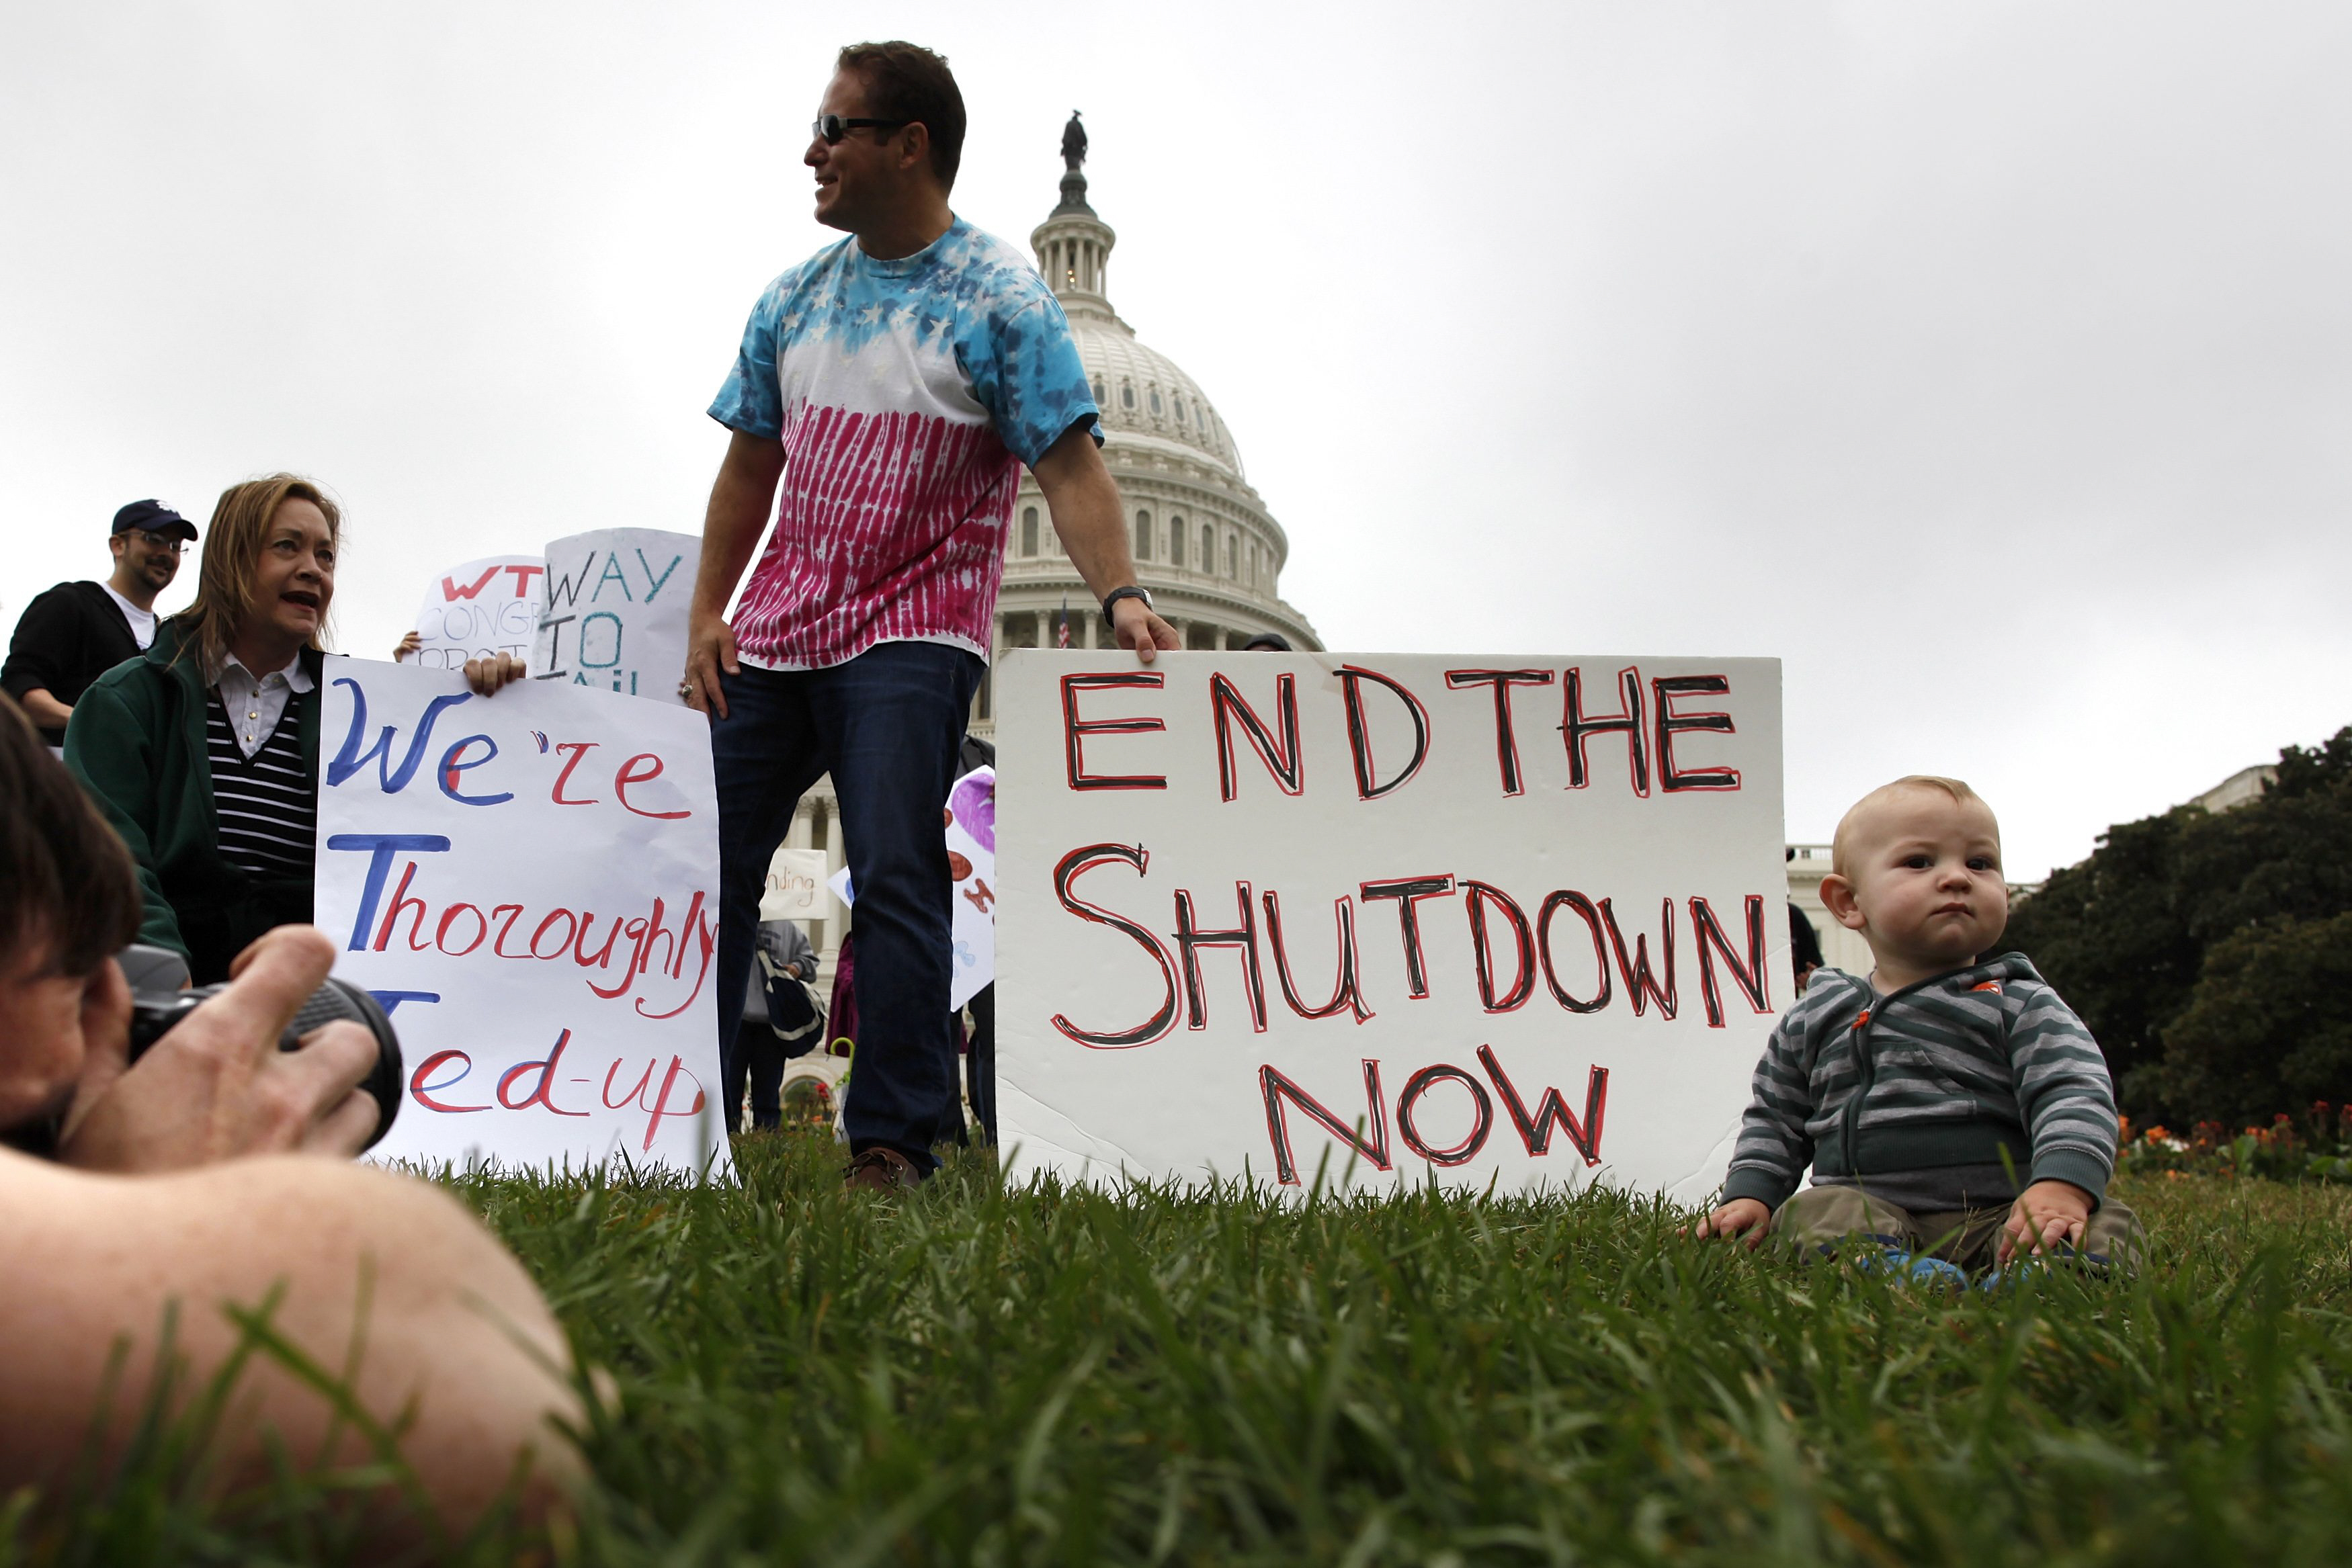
(980,1376)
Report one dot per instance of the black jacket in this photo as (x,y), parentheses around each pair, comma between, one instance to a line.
(66,639)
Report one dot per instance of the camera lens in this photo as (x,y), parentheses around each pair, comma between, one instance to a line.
(155,1012)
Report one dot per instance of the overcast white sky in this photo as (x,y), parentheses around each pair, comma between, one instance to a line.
(1990,364)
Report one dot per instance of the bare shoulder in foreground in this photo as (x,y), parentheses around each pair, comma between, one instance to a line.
(448,1330)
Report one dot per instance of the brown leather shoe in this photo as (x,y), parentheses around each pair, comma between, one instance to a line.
(881,1169)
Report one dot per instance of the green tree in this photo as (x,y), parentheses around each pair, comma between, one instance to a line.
(2176,920)
(2269,1026)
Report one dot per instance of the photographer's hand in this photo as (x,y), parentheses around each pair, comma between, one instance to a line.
(217,1087)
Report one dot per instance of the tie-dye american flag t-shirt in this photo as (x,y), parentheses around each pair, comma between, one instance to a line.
(908,394)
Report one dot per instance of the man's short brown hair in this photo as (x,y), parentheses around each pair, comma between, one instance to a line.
(66,887)
(907,81)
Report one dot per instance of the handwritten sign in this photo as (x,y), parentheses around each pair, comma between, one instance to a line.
(971,861)
(795,887)
(614,617)
(528,882)
(1376,918)
(479,609)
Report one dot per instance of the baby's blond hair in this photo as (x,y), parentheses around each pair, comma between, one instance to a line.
(1839,861)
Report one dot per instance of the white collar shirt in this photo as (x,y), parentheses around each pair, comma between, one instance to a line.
(255,703)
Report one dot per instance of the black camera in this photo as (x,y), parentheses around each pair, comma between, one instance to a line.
(158,1004)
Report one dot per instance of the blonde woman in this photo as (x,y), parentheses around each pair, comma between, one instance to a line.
(203,751)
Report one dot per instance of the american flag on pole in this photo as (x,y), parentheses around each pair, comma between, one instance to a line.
(1061,632)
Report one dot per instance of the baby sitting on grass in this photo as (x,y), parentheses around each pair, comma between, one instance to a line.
(1923,1094)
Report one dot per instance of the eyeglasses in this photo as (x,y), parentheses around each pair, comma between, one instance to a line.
(161,542)
(830,129)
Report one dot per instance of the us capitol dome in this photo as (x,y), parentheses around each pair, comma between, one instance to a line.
(1204,543)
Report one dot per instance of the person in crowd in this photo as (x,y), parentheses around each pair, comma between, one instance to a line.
(77,632)
(782,1019)
(980,1059)
(204,752)
(212,1175)
(1922,1094)
(1804,946)
(1804,942)
(858,643)
(1267,642)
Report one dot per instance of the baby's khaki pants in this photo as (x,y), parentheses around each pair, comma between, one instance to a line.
(1820,1218)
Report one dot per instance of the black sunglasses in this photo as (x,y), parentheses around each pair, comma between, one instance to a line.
(830,129)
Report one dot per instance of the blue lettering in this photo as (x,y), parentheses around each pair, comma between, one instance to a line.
(350,759)
(654,585)
(381,848)
(613,573)
(450,767)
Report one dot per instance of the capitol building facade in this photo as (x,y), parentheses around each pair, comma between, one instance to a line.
(1204,543)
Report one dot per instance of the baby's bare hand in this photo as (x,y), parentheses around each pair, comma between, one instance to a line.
(1740,1216)
(2047,1216)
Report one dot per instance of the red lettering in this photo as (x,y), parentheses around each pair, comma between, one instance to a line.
(661,1104)
(1276,1086)
(628,776)
(538,1096)
(1753,977)
(571,929)
(1191,939)
(1482,1119)
(441,931)
(1507,741)
(637,1094)
(499,946)
(1346,993)
(1282,758)
(1671,723)
(423,1092)
(578,749)
(400,900)
(1536,1131)
(1075,729)
(1359,732)
(1477,896)
(451,592)
(1408,892)
(1552,904)
(706,938)
(1641,984)
(1576,729)
(1065,876)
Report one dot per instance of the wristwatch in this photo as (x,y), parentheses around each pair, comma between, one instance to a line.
(1141,595)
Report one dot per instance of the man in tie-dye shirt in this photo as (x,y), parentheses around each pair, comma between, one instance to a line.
(893,385)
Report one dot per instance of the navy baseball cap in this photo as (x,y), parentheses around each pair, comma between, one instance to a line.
(155,517)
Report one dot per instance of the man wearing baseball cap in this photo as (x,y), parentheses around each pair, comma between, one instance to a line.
(77,632)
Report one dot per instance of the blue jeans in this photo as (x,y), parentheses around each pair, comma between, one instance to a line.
(887,725)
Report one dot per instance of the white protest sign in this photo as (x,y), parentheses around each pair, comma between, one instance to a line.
(528,882)
(479,609)
(614,617)
(972,862)
(795,887)
(1509,919)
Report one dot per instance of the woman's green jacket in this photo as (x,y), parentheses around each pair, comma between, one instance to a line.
(137,743)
